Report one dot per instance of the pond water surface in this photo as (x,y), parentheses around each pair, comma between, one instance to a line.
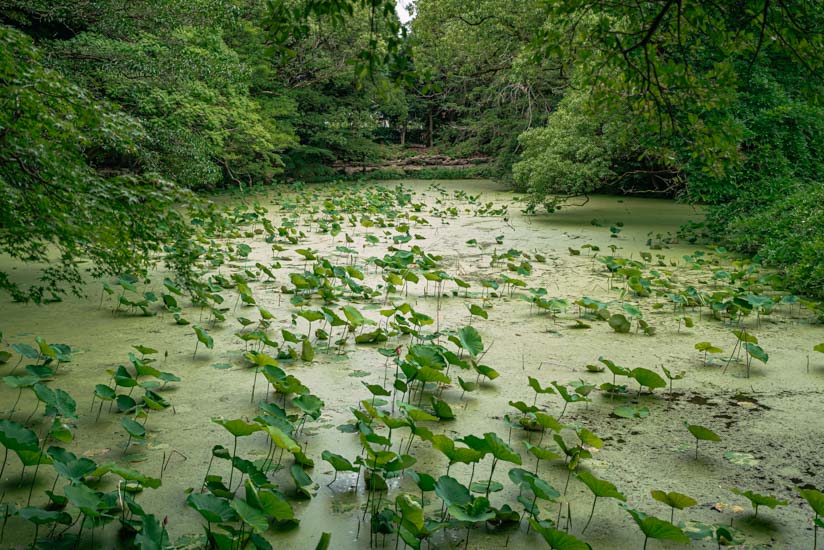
(772,418)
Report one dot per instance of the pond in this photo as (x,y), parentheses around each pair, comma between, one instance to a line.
(411,265)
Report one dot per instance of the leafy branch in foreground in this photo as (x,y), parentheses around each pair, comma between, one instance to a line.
(58,205)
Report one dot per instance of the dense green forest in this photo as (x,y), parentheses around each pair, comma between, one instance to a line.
(114,113)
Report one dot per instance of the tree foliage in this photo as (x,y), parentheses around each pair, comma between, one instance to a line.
(677,67)
(570,156)
(478,77)
(717,103)
(55,202)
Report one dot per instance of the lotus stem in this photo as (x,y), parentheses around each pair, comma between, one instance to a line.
(16,401)
(569,475)
(491,472)
(34,477)
(232,470)
(529,525)
(398,536)
(16,365)
(3,467)
(591,513)
(208,469)
(3,528)
(254,384)
(729,359)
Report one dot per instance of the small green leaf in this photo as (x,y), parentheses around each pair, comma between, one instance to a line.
(707,347)
(478,311)
(655,528)
(302,481)
(214,509)
(281,439)
(442,409)
(470,340)
(619,323)
(237,427)
(703,434)
(814,498)
(757,499)
(252,517)
(307,352)
(38,516)
(745,336)
(16,437)
(648,378)
(153,535)
(500,449)
(338,462)
(410,511)
(674,500)
(467,386)
(134,429)
(126,473)
(451,491)
(204,338)
(377,389)
(483,486)
(86,500)
(475,511)
(624,411)
(600,487)
(145,350)
(756,351)
(558,540)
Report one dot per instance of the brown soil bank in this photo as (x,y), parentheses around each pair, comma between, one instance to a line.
(415,163)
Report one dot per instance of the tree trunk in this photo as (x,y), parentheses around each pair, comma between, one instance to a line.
(430,128)
(403,133)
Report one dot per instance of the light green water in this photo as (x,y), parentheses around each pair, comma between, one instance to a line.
(780,432)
